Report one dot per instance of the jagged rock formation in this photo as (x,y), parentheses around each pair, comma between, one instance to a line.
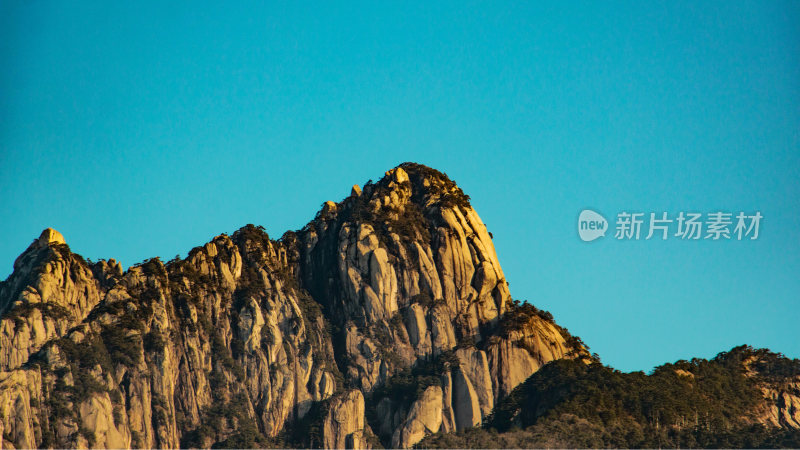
(248,339)
(424,418)
(343,426)
(384,320)
(779,384)
(50,292)
(173,355)
(783,406)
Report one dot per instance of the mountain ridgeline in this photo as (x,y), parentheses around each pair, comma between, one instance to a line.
(385,322)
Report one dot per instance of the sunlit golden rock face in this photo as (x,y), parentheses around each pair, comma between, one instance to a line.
(385,319)
(51,236)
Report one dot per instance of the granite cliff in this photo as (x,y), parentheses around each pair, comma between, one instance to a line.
(385,320)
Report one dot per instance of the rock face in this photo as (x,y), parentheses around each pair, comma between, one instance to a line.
(220,347)
(782,395)
(343,426)
(424,418)
(783,404)
(407,270)
(387,318)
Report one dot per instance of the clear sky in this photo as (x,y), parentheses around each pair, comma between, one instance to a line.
(142,129)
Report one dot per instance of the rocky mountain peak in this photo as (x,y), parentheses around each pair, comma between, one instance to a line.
(51,236)
(48,239)
(427,187)
(408,188)
(386,319)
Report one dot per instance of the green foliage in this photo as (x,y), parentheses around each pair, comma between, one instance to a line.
(48,438)
(396,321)
(160,415)
(450,194)
(119,403)
(154,341)
(249,286)
(570,431)
(63,400)
(519,314)
(408,225)
(22,311)
(88,434)
(87,354)
(252,233)
(576,344)
(205,323)
(185,269)
(385,343)
(137,440)
(477,438)
(408,385)
(224,357)
(154,267)
(65,253)
(286,275)
(85,385)
(59,403)
(426,302)
(231,423)
(123,345)
(311,310)
(569,403)
(768,365)
(307,431)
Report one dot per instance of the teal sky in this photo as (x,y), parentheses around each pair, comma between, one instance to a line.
(145,129)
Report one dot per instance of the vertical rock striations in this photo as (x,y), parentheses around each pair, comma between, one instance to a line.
(387,318)
(222,347)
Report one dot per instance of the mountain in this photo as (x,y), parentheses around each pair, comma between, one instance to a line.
(744,398)
(385,322)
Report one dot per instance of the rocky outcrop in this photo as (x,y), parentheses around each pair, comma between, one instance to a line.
(20,399)
(389,309)
(408,271)
(97,417)
(473,387)
(50,291)
(781,391)
(424,418)
(519,352)
(184,354)
(782,404)
(343,426)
